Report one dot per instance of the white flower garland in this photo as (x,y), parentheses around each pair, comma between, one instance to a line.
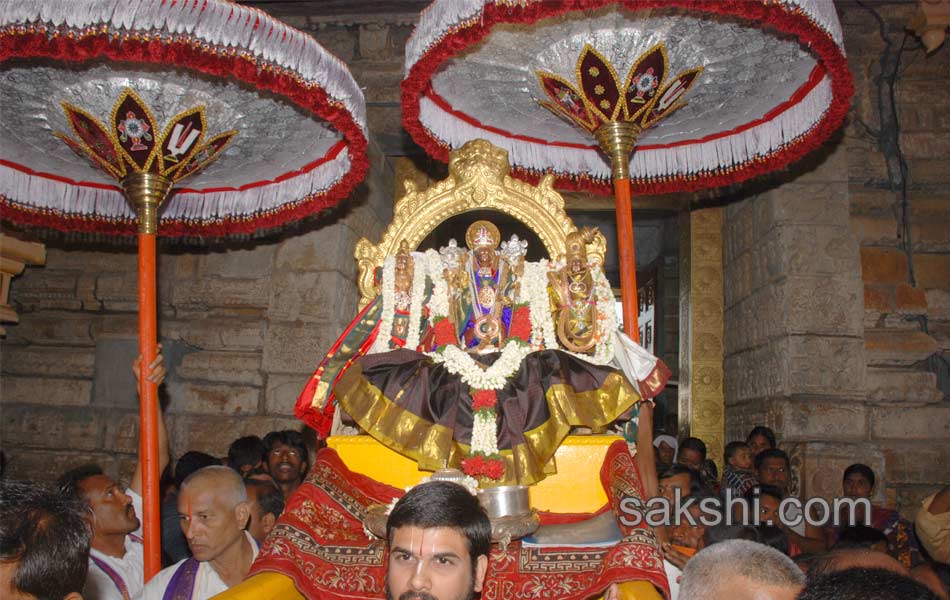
(381,344)
(484,440)
(458,362)
(439,302)
(534,291)
(415,308)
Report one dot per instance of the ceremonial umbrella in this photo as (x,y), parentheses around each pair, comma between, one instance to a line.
(269,127)
(704,93)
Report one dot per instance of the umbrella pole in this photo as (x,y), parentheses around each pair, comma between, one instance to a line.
(146,191)
(617,139)
(628,262)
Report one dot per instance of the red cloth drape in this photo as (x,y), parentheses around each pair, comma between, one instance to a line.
(320,543)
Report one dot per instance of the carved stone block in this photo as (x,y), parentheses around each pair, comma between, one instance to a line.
(296,347)
(889,347)
(213,399)
(327,249)
(43,288)
(325,296)
(121,431)
(47,465)
(48,361)
(819,466)
(222,292)
(238,264)
(281,393)
(55,426)
(50,392)
(833,366)
(816,419)
(916,463)
(374,41)
(898,386)
(823,305)
(820,250)
(118,291)
(761,372)
(217,334)
(804,204)
(224,367)
(931,422)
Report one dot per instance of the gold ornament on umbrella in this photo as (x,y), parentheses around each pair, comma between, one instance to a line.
(616,113)
(132,151)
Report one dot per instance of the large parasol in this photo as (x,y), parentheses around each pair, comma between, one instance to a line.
(267,126)
(658,95)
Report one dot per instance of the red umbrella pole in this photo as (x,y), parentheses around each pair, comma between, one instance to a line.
(628,262)
(148,407)
(146,192)
(617,139)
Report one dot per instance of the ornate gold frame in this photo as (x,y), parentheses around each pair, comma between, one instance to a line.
(478,179)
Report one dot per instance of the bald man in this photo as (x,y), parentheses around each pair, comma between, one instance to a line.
(740,570)
(213,511)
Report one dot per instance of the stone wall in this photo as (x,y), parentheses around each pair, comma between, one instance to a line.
(242,331)
(901,216)
(837,282)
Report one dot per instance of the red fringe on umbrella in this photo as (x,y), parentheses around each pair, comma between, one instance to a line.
(37,43)
(418,84)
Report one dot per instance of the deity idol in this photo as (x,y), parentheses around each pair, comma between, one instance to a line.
(482,290)
(572,296)
(469,369)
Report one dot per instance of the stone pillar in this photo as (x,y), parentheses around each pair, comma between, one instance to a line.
(795,355)
(701,329)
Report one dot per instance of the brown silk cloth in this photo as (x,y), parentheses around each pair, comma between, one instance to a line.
(417,407)
(319,542)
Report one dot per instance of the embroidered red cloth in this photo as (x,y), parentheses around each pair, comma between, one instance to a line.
(320,543)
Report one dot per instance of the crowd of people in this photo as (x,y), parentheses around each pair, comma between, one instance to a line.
(868,550)
(81,539)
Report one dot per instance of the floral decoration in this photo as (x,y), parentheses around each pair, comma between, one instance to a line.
(520,327)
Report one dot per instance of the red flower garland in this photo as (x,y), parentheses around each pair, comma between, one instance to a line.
(484,400)
(445,333)
(521,324)
(481,466)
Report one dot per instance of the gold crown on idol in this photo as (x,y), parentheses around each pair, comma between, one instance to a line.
(577,242)
(481,234)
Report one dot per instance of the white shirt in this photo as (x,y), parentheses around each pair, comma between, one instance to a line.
(673,575)
(130,568)
(207,581)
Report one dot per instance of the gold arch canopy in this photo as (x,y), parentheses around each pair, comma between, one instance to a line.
(478,179)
